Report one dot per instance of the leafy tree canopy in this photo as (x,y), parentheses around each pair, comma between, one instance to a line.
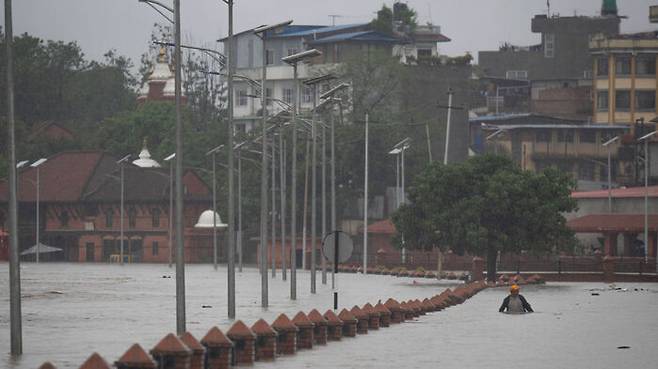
(401,13)
(485,205)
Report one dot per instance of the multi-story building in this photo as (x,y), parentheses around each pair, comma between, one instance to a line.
(337,43)
(560,63)
(536,142)
(79,203)
(625,77)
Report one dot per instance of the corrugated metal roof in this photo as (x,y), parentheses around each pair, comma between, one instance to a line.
(302,31)
(366,36)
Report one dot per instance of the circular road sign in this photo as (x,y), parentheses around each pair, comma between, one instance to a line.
(345,246)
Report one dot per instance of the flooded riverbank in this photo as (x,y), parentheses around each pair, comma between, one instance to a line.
(71,310)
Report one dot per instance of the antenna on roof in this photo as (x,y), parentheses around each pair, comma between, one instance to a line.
(333,18)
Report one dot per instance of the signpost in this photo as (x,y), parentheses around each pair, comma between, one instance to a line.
(337,248)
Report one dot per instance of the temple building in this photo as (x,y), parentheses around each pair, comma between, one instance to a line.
(160,84)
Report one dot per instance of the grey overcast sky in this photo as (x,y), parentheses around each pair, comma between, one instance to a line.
(125,25)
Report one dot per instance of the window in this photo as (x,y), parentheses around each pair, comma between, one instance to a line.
(565,136)
(109,218)
(241,97)
(287,95)
(623,65)
(602,98)
(269,57)
(645,100)
(132,218)
(64,218)
(307,97)
(587,136)
(602,66)
(543,136)
(623,100)
(645,65)
(549,45)
(517,74)
(155,248)
(155,217)
(292,51)
(424,54)
(268,96)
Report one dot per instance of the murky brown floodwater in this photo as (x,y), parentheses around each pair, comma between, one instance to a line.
(71,310)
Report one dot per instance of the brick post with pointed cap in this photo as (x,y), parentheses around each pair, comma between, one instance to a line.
(363,319)
(171,353)
(244,342)
(135,358)
(384,315)
(198,351)
(47,365)
(95,361)
(287,340)
(373,316)
(349,323)
(218,349)
(305,333)
(265,340)
(396,311)
(334,326)
(320,327)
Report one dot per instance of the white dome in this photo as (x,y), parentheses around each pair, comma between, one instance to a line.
(145,160)
(206,220)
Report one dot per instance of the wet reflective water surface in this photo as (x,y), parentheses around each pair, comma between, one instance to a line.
(71,310)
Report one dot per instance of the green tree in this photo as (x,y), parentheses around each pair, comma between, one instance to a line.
(486,205)
(401,14)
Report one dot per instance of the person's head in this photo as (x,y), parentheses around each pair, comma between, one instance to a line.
(514,290)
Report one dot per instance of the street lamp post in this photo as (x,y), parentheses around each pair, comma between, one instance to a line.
(365,204)
(607,146)
(37,165)
(314,82)
(231,202)
(121,215)
(15,315)
(294,60)
(447,145)
(282,195)
(213,152)
(171,207)
(645,138)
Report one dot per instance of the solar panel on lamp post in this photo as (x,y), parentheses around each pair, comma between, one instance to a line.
(294,60)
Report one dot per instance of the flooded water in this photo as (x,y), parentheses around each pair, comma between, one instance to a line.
(71,310)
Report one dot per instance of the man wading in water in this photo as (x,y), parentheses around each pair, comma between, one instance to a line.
(515,303)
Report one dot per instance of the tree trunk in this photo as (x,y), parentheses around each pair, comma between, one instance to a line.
(491,263)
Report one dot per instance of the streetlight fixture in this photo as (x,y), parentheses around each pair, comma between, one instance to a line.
(294,60)
(645,138)
(607,146)
(398,150)
(213,153)
(171,207)
(37,165)
(122,195)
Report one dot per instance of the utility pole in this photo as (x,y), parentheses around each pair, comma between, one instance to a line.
(15,315)
(263,182)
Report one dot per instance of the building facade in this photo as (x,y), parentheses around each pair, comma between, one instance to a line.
(536,142)
(80,210)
